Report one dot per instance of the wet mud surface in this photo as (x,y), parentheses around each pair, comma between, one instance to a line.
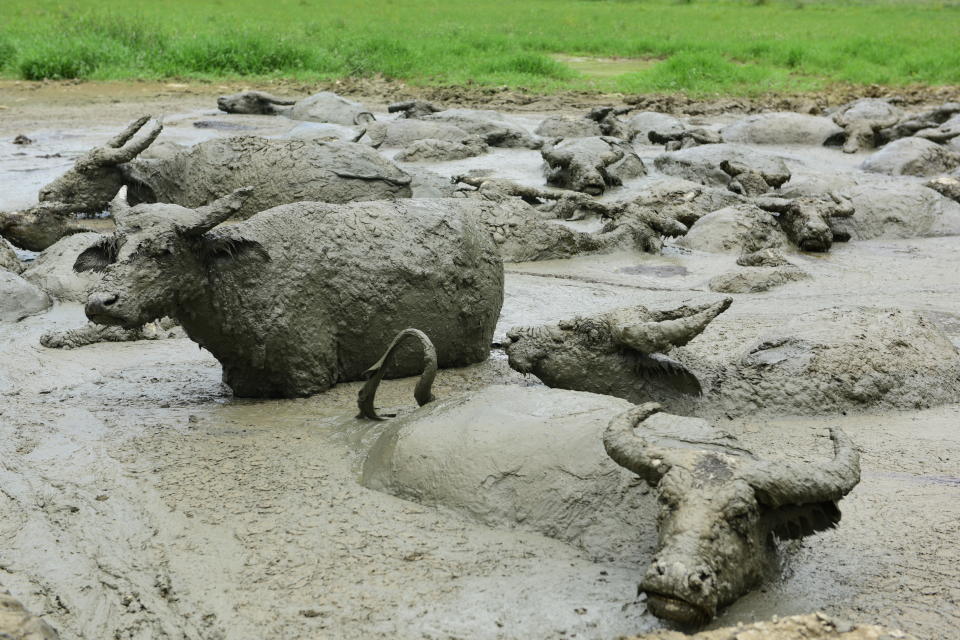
(138,499)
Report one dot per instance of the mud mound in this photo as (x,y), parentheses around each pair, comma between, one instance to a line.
(756,279)
(702,164)
(783,128)
(841,359)
(815,626)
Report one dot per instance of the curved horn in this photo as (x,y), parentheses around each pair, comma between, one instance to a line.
(129,149)
(784,482)
(632,452)
(422,393)
(654,337)
(121,138)
(364,117)
(217,211)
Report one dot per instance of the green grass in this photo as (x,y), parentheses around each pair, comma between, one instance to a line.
(695,46)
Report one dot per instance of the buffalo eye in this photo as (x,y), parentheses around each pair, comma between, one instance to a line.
(740,521)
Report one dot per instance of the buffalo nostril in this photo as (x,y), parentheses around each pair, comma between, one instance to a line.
(699,580)
(660,568)
(109,299)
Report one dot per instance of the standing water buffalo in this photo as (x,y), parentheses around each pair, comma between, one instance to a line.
(306,295)
(720,506)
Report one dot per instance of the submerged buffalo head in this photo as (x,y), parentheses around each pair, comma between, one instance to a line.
(159,256)
(720,506)
(87,187)
(807,220)
(612,352)
(97,176)
(254,102)
(591,164)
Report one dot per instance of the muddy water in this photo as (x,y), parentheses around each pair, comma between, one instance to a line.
(138,499)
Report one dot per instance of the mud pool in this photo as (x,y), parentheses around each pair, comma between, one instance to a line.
(138,499)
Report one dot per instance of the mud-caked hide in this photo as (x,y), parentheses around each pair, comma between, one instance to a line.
(256,103)
(281,171)
(303,296)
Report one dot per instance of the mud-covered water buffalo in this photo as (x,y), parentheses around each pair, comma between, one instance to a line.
(525,232)
(591,165)
(303,296)
(281,172)
(939,124)
(862,120)
(721,506)
(325,106)
(87,187)
(488,125)
(617,353)
(555,461)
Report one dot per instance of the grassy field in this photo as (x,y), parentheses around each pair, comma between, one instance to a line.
(694,46)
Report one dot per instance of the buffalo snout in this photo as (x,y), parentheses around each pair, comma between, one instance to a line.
(98,307)
(675,591)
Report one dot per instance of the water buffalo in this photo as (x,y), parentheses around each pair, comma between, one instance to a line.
(283,171)
(325,106)
(617,353)
(302,296)
(88,186)
(591,164)
(862,120)
(512,455)
(721,506)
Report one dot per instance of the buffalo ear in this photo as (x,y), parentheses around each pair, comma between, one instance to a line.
(792,522)
(228,244)
(98,256)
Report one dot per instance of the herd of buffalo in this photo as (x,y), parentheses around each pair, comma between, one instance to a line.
(303,261)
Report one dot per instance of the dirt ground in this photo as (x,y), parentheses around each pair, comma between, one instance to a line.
(138,499)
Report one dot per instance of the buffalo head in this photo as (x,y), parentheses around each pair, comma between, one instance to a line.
(720,506)
(612,353)
(158,257)
(590,165)
(254,102)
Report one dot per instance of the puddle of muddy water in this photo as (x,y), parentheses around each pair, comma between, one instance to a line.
(605,67)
